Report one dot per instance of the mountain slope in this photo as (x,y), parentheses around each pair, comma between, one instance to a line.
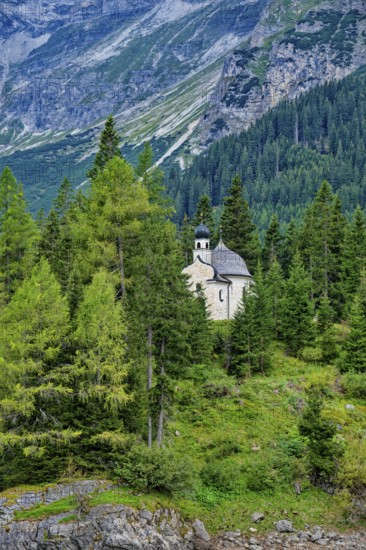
(178,72)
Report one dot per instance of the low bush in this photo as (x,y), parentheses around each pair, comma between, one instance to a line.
(156,470)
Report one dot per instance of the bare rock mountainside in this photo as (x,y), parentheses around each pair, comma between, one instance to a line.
(180,73)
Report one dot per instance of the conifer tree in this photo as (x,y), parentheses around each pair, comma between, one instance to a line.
(290,246)
(251,331)
(323,451)
(108,147)
(353,357)
(327,338)
(272,243)
(298,312)
(18,235)
(204,213)
(322,243)
(239,232)
(101,366)
(354,260)
(35,324)
(113,219)
(187,239)
(275,284)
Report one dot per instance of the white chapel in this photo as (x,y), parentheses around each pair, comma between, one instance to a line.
(220,273)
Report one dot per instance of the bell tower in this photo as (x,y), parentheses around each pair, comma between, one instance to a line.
(202,243)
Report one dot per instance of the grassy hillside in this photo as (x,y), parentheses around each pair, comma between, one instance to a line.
(244,441)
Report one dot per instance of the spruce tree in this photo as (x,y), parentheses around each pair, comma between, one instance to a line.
(275,284)
(238,230)
(353,357)
(354,259)
(251,331)
(272,243)
(108,147)
(320,432)
(204,213)
(327,337)
(298,312)
(322,238)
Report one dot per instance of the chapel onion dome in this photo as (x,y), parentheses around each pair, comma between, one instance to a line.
(202,232)
(227,262)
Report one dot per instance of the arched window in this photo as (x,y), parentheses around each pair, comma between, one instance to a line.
(198,245)
(220,296)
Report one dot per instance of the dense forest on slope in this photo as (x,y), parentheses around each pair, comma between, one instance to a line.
(110,365)
(283,156)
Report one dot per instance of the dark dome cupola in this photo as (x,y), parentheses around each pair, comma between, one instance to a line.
(202,232)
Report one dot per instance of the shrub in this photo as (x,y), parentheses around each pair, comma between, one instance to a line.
(156,469)
(354,385)
(260,477)
(220,475)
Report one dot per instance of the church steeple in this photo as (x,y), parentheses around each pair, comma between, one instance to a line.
(202,243)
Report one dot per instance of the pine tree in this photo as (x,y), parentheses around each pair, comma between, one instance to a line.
(18,235)
(251,331)
(239,232)
(108,147)
(298,313)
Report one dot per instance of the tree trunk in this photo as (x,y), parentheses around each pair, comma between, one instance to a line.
(149,383)
(159,437)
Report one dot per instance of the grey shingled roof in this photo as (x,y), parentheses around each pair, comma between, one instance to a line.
(227,262)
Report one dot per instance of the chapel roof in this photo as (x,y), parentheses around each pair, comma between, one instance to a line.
(202,232)
(227,262)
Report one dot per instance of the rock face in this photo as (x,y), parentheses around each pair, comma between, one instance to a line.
(327,43)
(121,527)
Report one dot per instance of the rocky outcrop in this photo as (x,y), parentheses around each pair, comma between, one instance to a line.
(121,527)
(327,43)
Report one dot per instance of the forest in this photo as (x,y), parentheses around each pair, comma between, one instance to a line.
(282,157)
(107,357)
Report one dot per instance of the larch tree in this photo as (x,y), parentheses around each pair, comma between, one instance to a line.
(18,235)
(35,324)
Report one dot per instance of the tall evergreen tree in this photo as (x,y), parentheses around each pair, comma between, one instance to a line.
(204,213)
(275,284)
(18,235)
(108,147)
(354,260)
(239,232)
(272,243)
(251,331)
(354,349)
(298,312)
